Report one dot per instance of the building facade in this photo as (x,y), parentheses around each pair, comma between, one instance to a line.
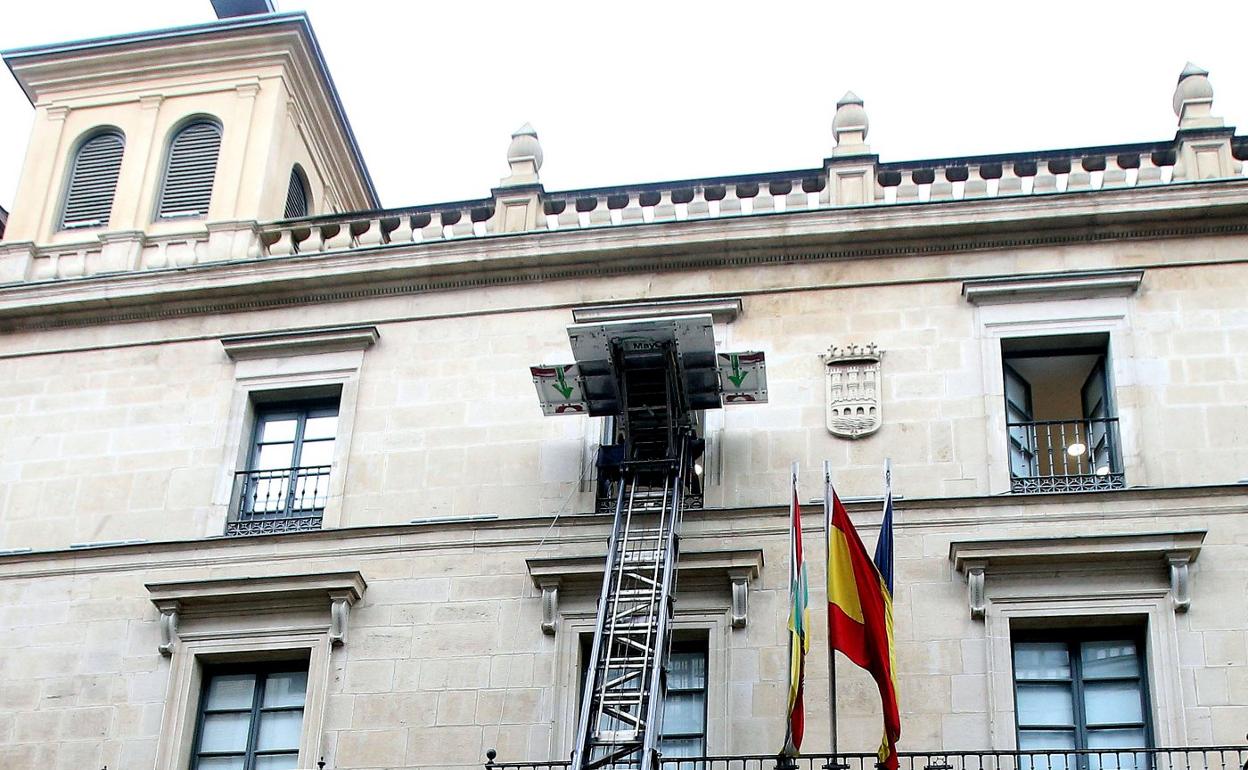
(275,487)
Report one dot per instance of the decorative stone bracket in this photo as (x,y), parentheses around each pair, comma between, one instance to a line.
(584,574)
(177,602)
(1146,550)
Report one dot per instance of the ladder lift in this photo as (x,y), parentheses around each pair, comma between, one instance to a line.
(652,376)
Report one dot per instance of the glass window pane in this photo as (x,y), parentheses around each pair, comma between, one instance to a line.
(1046,761)
(1112,702)
(225,732)
(1039,740)
(1102,659)
(230,691)
(683,712)
(220,763)
(279,730)
(686,671)
(681,747)
(285,689)
(1116,739)
(277,761)
(316,453)
(1045,704)
(1132,738)
(1041,660)
(274,456)
(277,429)
(321,427)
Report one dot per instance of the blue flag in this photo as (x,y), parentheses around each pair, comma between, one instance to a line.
(884,545)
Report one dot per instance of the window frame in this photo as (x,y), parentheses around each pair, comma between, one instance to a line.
(1074,639)
(682,641)
(244,519)
(180,128)
(70,174)
(300,177)
(262,671)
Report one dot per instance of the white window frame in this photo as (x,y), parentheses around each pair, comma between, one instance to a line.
(286,364)
(1106,315)
(1012,601)
(573,624)
(196,651)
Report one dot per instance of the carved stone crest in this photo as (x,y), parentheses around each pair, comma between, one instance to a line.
(852,377)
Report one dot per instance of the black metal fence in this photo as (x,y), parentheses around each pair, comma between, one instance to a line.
(1065,455)
(279,500)
(1192,758)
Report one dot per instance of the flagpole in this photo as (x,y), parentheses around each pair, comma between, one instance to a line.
(788,727)
(827,539)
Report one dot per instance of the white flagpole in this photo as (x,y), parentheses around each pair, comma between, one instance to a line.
(827,539)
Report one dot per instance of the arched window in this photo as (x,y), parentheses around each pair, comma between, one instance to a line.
(298,197)
(189,170)
(93,180)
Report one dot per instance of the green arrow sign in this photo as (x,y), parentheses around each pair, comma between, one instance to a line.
(562,386)
(737,376)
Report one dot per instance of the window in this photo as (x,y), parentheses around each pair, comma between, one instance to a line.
(190,169)
(1061,426)
(93,181)
(286,484)
(251,718)
(684,707)
(1081,691)
(298,198)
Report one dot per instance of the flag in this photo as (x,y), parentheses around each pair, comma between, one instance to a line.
(884,546)
(799,628)
(860,614)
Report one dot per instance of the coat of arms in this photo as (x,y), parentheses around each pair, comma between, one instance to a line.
(853,388)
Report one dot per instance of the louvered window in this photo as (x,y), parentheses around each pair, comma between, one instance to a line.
(93,181)
(298,201)
(189,171)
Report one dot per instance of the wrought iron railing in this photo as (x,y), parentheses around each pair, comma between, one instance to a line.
(1191,758)
(1065,455)
(279,500)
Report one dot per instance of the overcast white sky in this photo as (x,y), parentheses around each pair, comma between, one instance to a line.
(648,91)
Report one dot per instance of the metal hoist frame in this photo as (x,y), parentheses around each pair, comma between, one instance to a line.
(650,375)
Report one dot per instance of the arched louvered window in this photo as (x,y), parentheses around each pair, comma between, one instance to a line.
(189,170)
(298,199)
(93,181)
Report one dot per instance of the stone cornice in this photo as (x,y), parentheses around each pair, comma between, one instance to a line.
(294,343)
(1014,553)
(334,591)
(723,310)
(1108,283)
(867,232)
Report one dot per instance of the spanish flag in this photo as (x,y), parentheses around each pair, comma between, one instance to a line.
(860,614)
(799,627)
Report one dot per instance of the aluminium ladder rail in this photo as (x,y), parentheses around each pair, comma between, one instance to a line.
(620,716)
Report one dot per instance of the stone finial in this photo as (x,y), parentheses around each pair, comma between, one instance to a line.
(850,126)
(1193,99)
(524,155)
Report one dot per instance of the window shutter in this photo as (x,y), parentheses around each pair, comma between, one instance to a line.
(296,195)
(93,181)
(189,171)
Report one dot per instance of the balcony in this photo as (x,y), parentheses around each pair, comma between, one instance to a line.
(1192,758)
(1064,455)
(279,500)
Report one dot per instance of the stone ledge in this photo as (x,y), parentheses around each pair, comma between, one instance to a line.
(736,566)
(336,590)
(331,339)
(723,310)
(994,291)
(1174,550)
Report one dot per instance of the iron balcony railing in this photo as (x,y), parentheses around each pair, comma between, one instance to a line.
(279,500)
(1065,455)
(1192,758)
